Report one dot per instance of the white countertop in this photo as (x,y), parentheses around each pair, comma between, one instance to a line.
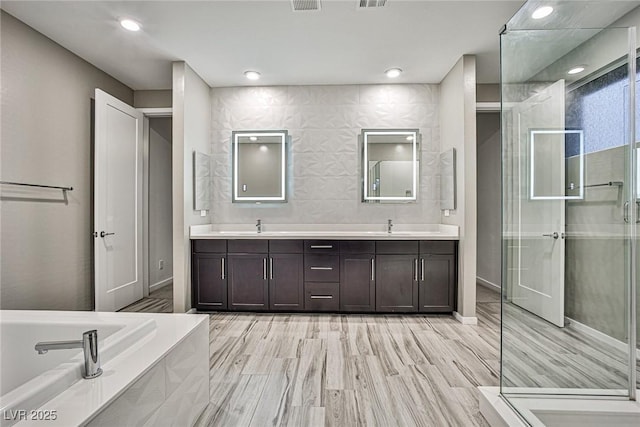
(326,231)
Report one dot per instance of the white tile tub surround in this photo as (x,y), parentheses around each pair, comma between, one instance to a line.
(326,231)
(324,123)
(162,378)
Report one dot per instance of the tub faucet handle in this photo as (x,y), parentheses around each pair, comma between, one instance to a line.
(389,225)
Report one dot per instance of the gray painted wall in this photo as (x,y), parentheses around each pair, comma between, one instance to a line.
(46,246)
(489,199)
(458,129)
(160,243)
(324,123)
(191,132)
(152,98)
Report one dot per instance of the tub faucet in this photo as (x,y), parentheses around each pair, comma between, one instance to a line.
(88,343)
(389,225)
(259,226)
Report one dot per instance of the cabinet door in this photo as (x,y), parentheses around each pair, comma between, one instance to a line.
(397,283)
(209,281)
(437,283)
(248,282)
(357,282)
(286,287)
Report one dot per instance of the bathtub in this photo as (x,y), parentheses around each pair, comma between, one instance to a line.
(136,350)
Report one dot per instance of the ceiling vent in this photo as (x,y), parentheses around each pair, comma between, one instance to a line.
(305,5)
(372,3)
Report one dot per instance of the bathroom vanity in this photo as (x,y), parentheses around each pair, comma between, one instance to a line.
(325,271)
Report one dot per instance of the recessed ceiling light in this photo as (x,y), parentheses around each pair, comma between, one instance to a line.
(253,138)
(576,70)
(392,73)
(130,24)
(252,75)
(542,12)
(410,138)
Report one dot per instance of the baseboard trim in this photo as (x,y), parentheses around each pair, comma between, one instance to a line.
(160,284)
(488,284)
(600,336)
(191,311)
(465,320)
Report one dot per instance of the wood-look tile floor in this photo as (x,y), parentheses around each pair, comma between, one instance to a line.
(159,301)
(350,370)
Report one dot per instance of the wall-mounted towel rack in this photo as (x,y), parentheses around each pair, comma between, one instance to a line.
(572,186)
(37,185)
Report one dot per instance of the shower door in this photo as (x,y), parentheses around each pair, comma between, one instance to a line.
(569,213)
(539,129)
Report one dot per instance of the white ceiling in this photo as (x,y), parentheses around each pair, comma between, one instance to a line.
(339,44)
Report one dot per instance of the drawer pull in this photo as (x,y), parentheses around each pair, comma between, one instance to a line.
(321,296)
(321,246)
(321,268)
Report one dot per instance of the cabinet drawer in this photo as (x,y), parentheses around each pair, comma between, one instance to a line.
(322,296)
(321,246)
(397,247)
(286,246)
(437,247)
(211,246)
(248,246)
(321,268)
(357,246)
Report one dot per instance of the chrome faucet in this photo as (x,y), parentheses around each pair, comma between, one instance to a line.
(89,344)
(259,226)
(389,225)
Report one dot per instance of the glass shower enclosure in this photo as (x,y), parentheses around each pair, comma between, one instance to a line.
(570,206)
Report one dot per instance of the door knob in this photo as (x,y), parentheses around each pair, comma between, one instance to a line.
(103,234)
(555,235)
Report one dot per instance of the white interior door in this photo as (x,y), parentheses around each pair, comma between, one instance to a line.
(539,126)
(117,203)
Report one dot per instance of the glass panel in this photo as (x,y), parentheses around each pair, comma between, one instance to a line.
(566,223)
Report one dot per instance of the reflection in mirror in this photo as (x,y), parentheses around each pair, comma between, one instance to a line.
(390,165)
(556,164)
(259,166)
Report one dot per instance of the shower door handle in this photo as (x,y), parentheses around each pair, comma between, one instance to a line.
(625,212)
(555,235)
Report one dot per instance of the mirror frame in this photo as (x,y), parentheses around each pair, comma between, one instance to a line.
(365,167)
(282,198)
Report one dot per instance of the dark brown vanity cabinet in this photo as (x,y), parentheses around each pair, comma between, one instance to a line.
(357,276)
(286,275)
(322,275)
(437,276)
(248,275)
(415,276)
(209,275)
(317,275)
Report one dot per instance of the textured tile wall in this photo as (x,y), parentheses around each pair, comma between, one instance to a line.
(324,123)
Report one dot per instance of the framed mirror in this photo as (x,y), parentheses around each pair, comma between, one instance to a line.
(259,166)
(390,165)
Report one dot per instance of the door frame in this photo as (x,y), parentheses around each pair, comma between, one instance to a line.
(147,113)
